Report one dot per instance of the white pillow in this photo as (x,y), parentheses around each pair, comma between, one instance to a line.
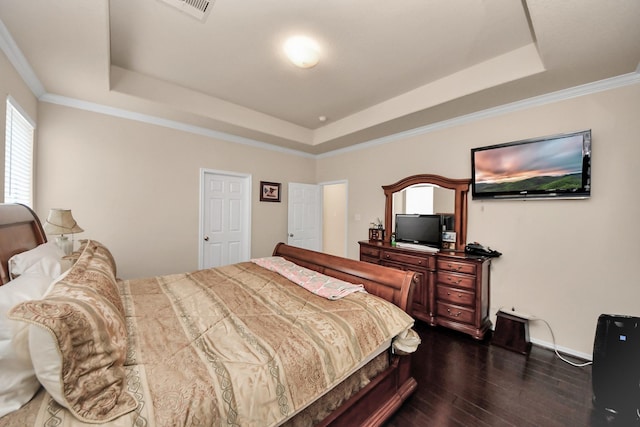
(79,356)
(46,258)
(19,382)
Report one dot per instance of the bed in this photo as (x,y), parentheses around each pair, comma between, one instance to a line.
(236,345)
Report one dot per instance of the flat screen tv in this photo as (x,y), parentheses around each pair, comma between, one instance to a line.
(421,229)
(557,166)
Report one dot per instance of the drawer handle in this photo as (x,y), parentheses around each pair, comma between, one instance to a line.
(452,314)
(456,268)
(449,294)
(388,256)
(455,282)
(419,261)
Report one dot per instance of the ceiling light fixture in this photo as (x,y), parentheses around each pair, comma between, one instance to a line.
(302,51)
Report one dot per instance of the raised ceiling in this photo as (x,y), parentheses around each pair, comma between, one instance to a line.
(385,67)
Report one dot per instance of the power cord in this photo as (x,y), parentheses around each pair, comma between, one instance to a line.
(555,349)
(553,337)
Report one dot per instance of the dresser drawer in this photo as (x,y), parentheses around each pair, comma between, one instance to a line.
(368,251)
(454,312)
(456,296)
(369,259)
(457,266)
(458,280)
(425,261)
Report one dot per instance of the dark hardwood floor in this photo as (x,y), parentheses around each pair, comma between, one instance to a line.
(463,382)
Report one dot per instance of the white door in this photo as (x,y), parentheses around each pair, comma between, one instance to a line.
(225,218)
(305,216)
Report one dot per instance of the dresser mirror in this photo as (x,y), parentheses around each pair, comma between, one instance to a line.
(428,194)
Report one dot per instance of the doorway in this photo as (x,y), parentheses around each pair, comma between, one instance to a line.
(317,217)
(334,218)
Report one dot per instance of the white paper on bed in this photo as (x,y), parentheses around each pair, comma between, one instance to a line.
(322,285)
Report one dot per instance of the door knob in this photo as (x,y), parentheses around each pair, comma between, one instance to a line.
(290,234)
(206,238)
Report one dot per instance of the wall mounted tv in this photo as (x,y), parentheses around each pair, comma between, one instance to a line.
(557,166)
(422,229)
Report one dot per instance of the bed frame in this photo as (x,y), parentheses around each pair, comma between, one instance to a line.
(21,230)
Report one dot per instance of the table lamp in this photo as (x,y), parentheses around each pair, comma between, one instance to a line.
(60,222)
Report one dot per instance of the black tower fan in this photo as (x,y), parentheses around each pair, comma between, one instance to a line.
(616,365)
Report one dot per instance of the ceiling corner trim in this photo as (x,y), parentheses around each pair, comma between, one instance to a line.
(586,89)
(19,62)
(171,124)
(574,92)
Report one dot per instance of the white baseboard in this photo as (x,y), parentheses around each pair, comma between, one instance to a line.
(564,350)
(561,349)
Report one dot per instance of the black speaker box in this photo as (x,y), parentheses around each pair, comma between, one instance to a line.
(511,332)
(616,365)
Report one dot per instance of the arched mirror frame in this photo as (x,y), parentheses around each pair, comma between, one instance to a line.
(461,188)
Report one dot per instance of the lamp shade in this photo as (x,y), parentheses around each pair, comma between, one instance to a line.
(60,221)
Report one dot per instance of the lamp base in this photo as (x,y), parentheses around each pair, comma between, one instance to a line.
(65,244)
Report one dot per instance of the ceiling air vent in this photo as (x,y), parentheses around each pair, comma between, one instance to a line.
(197,8)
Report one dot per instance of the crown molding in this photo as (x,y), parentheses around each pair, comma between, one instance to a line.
(575,92)
(19,62)
(158,121)
(549,98)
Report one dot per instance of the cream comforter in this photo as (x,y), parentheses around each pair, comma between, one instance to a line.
(236,346)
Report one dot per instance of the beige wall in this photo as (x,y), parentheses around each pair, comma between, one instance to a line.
(565,261)
(135,186)
(11,84)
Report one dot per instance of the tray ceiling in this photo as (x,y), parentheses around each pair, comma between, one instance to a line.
(385,67)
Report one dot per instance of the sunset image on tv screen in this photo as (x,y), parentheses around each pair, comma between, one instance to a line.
(545,165)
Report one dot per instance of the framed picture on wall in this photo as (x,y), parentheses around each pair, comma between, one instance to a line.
(269,191)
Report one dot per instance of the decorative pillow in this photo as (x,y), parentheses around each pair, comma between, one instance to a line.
(80,340)
(47,258)
(19,382)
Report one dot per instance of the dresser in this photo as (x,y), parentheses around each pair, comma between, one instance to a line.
(452,290)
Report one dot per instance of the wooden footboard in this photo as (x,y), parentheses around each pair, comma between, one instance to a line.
(388,283)
(376,402)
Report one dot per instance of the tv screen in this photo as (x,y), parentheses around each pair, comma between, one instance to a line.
(547,167)
(419,228)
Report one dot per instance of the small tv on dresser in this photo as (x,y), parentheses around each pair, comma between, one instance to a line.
(557,166)
(421,229)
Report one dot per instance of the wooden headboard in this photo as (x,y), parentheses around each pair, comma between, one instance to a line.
(20,230)
(388,283)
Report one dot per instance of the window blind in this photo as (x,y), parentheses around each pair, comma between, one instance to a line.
(18,160)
